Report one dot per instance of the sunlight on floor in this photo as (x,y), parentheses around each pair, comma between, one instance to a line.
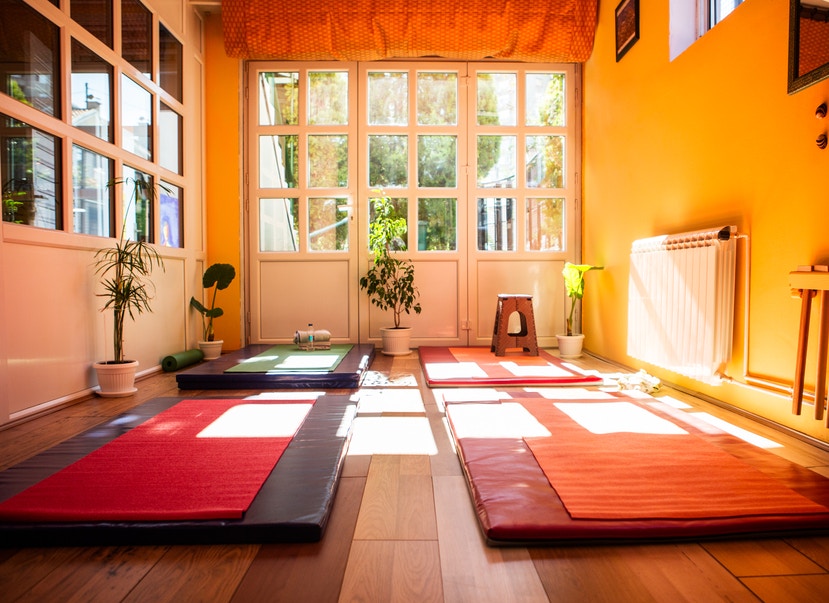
(392,435)
(743,434)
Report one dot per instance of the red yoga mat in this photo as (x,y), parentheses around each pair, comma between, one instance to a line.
(674,474)
(200,459)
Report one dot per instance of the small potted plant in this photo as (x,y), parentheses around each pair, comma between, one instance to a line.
(124,270)
(389,282)
(570,344)
(217,277)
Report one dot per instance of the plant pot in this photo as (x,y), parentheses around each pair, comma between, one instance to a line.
(211,349)
(570,346)
(116,379)
(396,341)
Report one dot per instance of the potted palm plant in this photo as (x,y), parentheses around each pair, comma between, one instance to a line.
(124,270)
(217,277)
(570,344)
(389,282)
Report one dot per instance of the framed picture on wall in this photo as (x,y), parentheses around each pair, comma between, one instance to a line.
(627,26)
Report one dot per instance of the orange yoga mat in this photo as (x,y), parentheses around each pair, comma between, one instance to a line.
(200,459)
(647,475)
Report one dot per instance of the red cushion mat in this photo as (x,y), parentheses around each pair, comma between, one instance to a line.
(516,504)
(159,470)
(651,475)
(443,366)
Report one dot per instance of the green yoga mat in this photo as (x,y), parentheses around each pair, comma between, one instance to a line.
(287,358)
(174,362)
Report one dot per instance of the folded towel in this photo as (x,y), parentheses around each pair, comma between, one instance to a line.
(322,339)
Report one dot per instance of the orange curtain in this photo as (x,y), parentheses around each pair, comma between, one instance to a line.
(367,30)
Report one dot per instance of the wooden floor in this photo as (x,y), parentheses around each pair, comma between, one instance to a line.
(403,529)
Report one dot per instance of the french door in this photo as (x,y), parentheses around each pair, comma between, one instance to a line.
(480,159)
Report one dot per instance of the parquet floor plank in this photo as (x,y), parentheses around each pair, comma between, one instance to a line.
(196,573)
(472,571)
(307,571)
(641,573)
(79,574)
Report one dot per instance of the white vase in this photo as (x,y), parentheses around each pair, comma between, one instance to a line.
(211,349)
(396,341)
(570,346)
(116,379)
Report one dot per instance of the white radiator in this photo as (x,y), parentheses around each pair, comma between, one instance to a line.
(681,301)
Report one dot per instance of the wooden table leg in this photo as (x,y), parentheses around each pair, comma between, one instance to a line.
(802,343)
(823,340)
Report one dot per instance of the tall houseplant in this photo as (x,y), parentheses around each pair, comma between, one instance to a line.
(389,282)
(125,270)
(217,277)
(570,344)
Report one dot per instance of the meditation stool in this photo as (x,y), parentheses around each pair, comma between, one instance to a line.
(525,337)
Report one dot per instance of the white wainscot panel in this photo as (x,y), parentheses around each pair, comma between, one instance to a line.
(541,279)
(296,293)
(437,282)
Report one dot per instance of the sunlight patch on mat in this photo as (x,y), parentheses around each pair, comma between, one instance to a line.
(618,417)
(455,370)
(392,435)
(316,361)
(258,421)
(376,401)
(470,394)
(505,420)
(548,370)
(292,395)
(743,434)
(570,393)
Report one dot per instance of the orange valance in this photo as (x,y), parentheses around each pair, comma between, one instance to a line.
(366,30)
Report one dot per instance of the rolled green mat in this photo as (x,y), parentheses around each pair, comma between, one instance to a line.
(173,362)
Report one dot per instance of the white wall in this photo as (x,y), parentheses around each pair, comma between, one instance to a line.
(51,329)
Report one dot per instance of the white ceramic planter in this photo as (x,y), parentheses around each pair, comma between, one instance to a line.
(211,349)
(396,341)
(570,346)
(116,379)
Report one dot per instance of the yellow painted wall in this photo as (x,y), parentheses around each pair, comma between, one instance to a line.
(710,139)
(223,176)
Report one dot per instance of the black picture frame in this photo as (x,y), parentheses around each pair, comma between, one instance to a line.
(627,26)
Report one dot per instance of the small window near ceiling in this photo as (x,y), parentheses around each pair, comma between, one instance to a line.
(137,35)
(691,19)
(95,16)
(30,57)
(719,10)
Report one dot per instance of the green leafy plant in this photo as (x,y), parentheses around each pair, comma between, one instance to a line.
(125,270)
(217,277)
(574,284)
(389,282)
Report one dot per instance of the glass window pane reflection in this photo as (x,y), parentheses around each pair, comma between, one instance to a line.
(30,55)
(91,197)
(30,170)
(91,92)
(136,119)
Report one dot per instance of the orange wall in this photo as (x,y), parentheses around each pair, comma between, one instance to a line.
(709,139)
(223,176)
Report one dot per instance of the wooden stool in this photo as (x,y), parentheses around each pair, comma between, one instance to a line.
(525,338)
